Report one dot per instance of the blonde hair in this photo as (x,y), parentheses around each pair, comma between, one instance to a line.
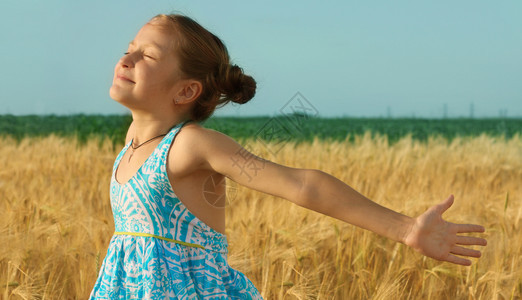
(204,57)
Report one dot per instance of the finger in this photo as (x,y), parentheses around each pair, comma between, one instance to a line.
(471,240)
(458,260)
(443,206)
(464,251)
(464,228)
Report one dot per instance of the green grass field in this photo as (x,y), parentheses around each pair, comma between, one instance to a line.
(295,127)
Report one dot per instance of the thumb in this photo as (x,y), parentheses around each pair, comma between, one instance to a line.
(444,205)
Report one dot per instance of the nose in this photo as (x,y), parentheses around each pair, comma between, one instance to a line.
(126,61)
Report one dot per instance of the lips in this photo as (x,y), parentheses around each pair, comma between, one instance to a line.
(124,78)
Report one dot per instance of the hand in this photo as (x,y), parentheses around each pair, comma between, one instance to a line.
(430,235)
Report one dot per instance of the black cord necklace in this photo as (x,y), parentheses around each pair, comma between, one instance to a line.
(136,147)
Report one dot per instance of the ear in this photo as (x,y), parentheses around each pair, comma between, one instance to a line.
(188,92)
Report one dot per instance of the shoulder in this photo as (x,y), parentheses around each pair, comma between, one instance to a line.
(198,147)
(194,130)
(193,134)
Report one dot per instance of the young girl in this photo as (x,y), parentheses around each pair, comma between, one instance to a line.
(169,241)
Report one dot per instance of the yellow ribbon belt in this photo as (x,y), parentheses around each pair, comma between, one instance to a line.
(159,237)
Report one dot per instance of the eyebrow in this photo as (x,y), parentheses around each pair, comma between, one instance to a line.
(154,45)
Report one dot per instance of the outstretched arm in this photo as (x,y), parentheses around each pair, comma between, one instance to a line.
(428,233)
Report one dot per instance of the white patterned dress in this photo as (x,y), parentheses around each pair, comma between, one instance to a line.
(160,250)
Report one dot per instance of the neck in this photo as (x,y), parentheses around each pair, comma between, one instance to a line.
(149,126)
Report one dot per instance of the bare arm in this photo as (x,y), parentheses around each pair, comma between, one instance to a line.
(328,195)
(428,234)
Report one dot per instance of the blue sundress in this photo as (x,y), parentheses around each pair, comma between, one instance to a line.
(160,250)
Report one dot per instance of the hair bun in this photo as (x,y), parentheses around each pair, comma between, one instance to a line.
(236,86)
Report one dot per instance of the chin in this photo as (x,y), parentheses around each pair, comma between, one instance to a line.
(118,96)
(123,98)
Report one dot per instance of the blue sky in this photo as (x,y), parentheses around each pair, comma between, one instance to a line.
(347,58)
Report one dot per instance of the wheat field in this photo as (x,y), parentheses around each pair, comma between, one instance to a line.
(56,221)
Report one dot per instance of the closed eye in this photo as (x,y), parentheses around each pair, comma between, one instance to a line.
(145,55)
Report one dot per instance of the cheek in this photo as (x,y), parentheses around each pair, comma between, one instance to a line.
(158,80)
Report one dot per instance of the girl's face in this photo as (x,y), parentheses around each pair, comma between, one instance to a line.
(146,77)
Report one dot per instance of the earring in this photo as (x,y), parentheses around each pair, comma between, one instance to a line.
(176,101)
